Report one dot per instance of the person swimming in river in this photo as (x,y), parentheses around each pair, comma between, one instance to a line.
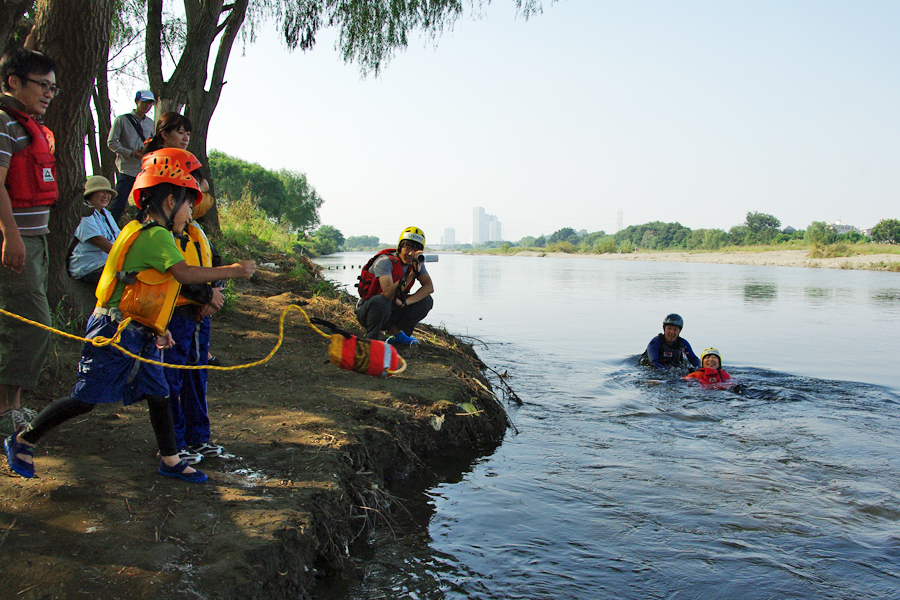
(668,349)
(711,374)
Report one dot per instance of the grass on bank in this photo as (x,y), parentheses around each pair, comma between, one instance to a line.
(247,232)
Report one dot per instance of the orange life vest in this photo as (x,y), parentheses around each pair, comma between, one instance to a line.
(149,296)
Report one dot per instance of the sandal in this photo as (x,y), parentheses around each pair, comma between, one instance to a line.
(189,456)
(178,471)
(27,413)
(13,449)
(210,450)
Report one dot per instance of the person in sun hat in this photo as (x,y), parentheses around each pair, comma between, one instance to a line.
(126,138)
(95,234)
(141,281)
(385,301)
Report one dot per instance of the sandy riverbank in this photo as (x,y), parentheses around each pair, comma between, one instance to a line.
(775,258)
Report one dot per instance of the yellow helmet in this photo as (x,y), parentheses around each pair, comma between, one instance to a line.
(711,352)
(413,234)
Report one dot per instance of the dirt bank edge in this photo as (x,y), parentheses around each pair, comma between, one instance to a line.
(318,447)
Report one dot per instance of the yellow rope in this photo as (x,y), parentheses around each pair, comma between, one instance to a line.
(113,341)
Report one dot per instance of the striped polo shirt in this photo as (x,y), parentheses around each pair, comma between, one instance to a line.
(33,220)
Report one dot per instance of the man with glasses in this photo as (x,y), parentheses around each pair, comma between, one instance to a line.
(126,139)
(28,175)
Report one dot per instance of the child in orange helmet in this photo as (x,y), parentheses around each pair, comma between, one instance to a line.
(141,281)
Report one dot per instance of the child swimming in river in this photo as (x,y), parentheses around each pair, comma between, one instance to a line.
(711,374)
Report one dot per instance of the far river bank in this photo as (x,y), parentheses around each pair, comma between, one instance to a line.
(774,258)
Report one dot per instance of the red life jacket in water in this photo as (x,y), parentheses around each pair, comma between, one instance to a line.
(31,176)
(709,377)
(369,285)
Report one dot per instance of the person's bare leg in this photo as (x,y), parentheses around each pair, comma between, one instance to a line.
(10,397)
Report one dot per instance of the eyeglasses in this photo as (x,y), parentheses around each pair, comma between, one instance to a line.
(46,87)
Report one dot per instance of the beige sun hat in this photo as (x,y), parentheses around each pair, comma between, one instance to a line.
(98,183)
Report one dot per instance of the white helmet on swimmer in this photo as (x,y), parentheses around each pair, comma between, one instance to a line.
(413,234)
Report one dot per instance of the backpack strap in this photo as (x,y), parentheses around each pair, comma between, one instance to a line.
(137,126)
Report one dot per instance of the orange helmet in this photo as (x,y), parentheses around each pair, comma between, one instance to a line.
(167,165)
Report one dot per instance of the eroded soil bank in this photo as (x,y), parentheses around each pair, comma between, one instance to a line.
(317,447)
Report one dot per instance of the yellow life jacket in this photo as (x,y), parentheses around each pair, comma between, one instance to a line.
(149,296)
(197,253)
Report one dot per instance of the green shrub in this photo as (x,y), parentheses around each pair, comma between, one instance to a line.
(605,246)
(566,247)
(246,224)
(831,251)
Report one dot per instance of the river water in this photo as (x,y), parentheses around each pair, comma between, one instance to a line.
(614,487)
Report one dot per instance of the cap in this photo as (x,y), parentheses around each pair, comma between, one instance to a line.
(145,95)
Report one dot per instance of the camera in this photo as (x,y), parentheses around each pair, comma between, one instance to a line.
(427,258)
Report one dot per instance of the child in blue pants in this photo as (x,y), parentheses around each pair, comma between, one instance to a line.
(190,327)
(141,281)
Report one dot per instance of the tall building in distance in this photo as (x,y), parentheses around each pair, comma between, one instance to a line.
(485,227)
(449,238)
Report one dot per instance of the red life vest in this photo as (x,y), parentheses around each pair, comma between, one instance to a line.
(31,177)
(369,286)
(709,377)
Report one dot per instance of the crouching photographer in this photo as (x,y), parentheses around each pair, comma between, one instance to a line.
(385,302)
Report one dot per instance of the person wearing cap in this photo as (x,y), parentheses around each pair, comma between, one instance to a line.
(711,374)
(141,282)
(385,302)
(669,349)
(126,139)
(28,188)
(96,232)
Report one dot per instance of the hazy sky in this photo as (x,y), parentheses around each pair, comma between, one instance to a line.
(686,111)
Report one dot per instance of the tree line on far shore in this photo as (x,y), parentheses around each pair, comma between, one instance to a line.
(757,229)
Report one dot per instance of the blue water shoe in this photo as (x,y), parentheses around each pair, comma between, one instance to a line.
(402,338)
(178,471)
(13,449)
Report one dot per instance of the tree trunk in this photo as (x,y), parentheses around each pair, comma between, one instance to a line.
(11,13)
(104,119)
(186,85)
(203,104)
(91,140)
(74,35)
